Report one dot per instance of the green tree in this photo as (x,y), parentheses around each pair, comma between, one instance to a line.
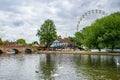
(111,28)
(21,41)
(71,38)
(47,32)
(88,38)
(78,38)
(35,42)
(59,37)
(1,42)
(5,42)
(104,33)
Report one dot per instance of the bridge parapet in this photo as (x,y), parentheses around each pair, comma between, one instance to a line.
(4,49)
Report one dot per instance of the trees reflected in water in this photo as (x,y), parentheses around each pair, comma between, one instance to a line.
(47,68)
(95,67)
(85,67)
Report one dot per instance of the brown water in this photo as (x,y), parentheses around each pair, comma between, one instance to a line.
(59,67)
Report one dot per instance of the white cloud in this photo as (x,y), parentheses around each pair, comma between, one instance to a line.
(22,18)
(53,10)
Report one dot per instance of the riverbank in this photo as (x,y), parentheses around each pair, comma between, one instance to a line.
(79,52)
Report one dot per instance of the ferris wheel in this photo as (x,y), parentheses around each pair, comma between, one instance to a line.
(89,17)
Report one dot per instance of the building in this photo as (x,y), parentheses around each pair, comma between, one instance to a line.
(11,43)
(63,43)
(41,46)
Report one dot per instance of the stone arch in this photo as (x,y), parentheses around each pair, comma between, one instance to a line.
(16,50)
(1,51)
(12,50)
(28,50)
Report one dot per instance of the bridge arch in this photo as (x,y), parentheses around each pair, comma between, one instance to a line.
(16,50)
(91,13)
(9,50)
(1,51)
(27,50)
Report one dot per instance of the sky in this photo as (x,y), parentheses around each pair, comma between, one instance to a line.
(22,18)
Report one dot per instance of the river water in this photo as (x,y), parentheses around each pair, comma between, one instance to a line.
(59,67)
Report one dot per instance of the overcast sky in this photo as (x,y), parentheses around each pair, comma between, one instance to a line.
(22,18)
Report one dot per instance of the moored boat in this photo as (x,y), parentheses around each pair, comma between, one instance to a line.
(11,51)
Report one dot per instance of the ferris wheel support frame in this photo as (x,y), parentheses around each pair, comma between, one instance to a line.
(95,11)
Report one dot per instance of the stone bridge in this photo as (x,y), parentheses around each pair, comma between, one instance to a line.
(17,49)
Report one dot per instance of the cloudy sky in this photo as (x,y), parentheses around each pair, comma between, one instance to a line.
(22,18)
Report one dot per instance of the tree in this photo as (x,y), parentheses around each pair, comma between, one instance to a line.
(59,37)
(1,42)
(5,42)
(71,38)
(78,38)
(111,28)
(104,33)
(21,41)
(35,42)
(47,32)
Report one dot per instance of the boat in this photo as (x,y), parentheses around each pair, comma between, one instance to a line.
(11,51)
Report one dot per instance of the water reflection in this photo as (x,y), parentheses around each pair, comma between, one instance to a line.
(17,67)
(59,67)
(56,67)
(47,68)
(96,67)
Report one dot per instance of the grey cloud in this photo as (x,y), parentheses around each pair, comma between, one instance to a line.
(18,23)
(114,6)
(115,3)
(12,23)
(65,18)
(21,33)
(7,5)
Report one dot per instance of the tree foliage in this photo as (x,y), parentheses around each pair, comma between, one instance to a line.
(21,41)
(104,33)
(35,42)
(5,42)
(78,38)
(1,42)
(71,38)
(47,32)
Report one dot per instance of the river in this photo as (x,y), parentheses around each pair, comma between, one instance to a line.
(59,67)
